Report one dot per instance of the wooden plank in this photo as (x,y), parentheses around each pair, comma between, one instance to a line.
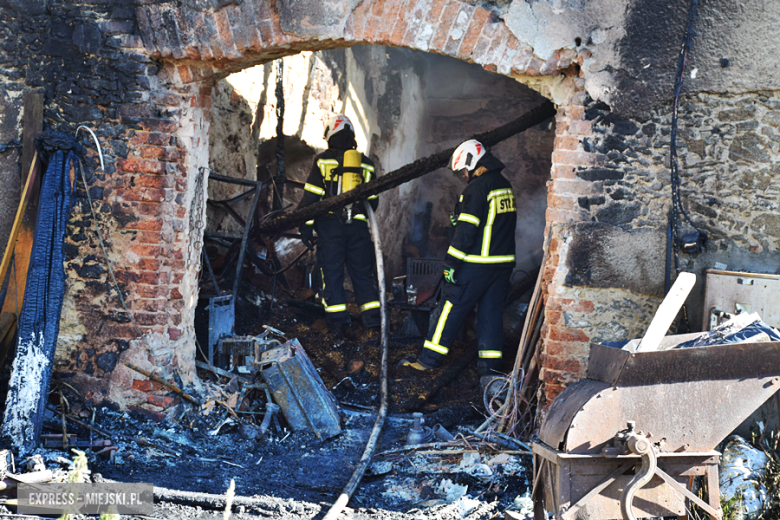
(17,227)
(667,312)
(745,275)
(403,174)
(32,125)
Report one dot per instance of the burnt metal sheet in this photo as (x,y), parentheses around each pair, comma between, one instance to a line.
(621,367)
(565,407)
(605,363)
(688,416)
(718,362)
(299,391)
(222,318)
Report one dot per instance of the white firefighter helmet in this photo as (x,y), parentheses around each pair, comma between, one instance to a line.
(336,124)
(467,155)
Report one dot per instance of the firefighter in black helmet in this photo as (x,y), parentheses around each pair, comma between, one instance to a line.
(479,261)
(343,236)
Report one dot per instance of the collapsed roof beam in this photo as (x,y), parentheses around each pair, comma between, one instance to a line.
(418,168)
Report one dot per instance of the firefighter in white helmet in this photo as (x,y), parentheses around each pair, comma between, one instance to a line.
(479,261)
(343,237)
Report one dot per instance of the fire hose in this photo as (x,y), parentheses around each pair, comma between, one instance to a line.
(357,475)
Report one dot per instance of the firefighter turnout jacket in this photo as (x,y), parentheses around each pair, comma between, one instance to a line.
(482,253)
(485,224)
(341,243)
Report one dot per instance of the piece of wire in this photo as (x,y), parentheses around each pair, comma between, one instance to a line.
(677,206)
(97,144)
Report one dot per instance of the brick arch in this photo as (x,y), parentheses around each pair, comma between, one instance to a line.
(215,42)
(193,48)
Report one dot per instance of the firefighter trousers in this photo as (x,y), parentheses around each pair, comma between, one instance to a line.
(341,244)
(475,285)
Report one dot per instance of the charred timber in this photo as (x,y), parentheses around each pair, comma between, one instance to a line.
(404,174)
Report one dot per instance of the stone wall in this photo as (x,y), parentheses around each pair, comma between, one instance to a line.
(609,277)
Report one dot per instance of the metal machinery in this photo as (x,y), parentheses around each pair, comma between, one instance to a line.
(627,441)
(418,291)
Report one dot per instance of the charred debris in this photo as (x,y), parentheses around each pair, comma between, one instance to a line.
(283,406)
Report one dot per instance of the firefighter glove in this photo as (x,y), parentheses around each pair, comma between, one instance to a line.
(453,220)
(307,235)
(449,274)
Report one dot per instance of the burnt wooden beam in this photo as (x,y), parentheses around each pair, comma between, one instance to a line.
(403,174)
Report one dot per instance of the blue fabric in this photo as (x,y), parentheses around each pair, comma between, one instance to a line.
(615,344)
(39,320)
(715,338)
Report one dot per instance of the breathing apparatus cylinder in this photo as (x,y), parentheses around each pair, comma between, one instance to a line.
(351,176)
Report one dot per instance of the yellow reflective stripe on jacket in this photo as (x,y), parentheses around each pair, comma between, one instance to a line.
(368,306)
(490,354)
(471,219)
(478,259)
(310,222)
(488,231)
(460,255)
(314,189)
(372,197)
(367,171)
(497,259)
(326,166)
(498,193)
(360,216)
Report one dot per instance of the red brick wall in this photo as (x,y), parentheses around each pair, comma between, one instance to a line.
(205,44)
(564,348)
(149,194)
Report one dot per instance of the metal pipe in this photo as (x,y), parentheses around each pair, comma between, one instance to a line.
(245,237)
(270,410)
(346,494)
(163,382)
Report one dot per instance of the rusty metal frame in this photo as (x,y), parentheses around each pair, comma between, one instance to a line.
(558,492)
